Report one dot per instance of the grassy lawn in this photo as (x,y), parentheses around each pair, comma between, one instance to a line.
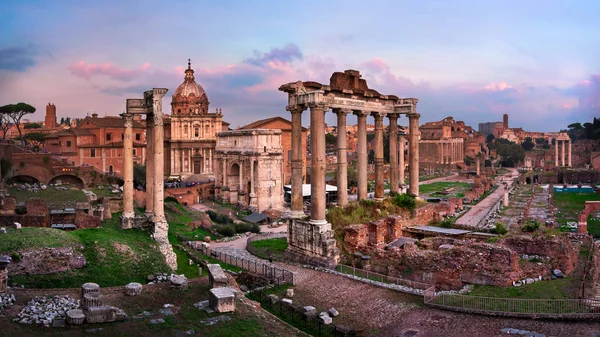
(114,257)
(270,247)
(594,227)
(555,289)
(28,237)
(54,198)
(569,205)
(434,189)
(106,191)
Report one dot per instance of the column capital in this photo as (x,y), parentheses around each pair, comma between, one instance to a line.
(318,105)
(128,119)
(414,115)
(360,113)
(393,116)
(340,111)
(295,109)
(378,115)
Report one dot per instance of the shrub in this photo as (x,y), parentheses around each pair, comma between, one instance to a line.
(500,229)
(447,223)
(530,226)
(405,201)
(255,228)
(368,203)
(15,257)
(20,210)
(219,218)
(242,227)
(226,230)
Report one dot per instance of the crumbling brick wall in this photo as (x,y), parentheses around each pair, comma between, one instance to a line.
(36,206)
(563,255)
(10,203)
(84,220)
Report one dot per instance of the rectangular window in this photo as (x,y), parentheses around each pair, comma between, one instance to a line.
(68,143)
(122,136)
(196,132)
(59,143)
(134,152)
(108,137)
(138,136)
(93,153)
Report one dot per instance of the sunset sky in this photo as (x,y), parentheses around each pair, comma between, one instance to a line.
(538,61)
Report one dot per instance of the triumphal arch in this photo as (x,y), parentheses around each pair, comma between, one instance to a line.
(312,241)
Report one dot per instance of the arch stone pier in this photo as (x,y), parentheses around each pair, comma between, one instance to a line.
(312,240)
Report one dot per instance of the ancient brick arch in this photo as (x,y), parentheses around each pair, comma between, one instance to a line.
(591,207)
(23,179)
(68,178)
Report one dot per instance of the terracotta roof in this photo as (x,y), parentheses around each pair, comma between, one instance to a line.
(259,123)
(70,132)
(111,122)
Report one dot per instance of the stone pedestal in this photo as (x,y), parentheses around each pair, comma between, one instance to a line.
(75,317)
(222,300)
(89,288)
(311,244)
(216,276)
(91,300)
(133,289)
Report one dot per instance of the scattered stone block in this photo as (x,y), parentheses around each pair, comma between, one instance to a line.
(286,301)
(529,281)
(91,300)
(157,321)
(273,298)
(289,293)
(75,317)
(133,289)
(558,273)
(332,312)
(199,270)
(216,276)
(179,282)
(445,247)
(207,239)
(17,225)
(222,299)
(150,278)
(89,288)
(325,318)
(105,314)
(201,305)
(309,309)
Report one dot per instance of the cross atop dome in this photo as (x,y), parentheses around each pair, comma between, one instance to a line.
(189,72)
(189,63)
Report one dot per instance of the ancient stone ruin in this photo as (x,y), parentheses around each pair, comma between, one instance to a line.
(312,241)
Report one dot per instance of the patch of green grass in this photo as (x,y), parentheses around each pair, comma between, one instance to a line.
(555,289)
(114,257)
(270,247)
(183,265)
(440,185)
(54,198)
(30,237)
(569,206)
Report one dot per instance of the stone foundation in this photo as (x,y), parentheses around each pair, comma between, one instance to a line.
(311,244)
(222,300)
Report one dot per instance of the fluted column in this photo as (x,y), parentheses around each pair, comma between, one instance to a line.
(562,155)
(342,159)
(402,165)
(362,154)
(150,164)
(393,136)
(318,166)
(128,168)
(569,148)
(378,155)
(297,154)
(556,153)
(413,124)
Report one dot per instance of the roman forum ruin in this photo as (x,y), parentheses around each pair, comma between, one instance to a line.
(346,93)
(151,106)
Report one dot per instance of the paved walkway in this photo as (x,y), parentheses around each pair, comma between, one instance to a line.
(478,212)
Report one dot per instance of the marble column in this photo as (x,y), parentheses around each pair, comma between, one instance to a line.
(556,164)
(393,136)
(442,158)
(413,124)
(342,159)
(439,153)
(362,155)
(478,165)
(378,155)
(569,154)
(401,161)
(252,195)
(150,165)
(318,165)
(297,155)
(562,156)
(128,213)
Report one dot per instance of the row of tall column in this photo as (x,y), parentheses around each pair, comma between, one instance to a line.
(318,164)
(562,157)
(449,152)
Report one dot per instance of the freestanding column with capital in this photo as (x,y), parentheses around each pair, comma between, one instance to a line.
(149,165)
(562,156)
(297,154)
(128,214)
(317,164)
(413,124)
(362,154)
(556,153)
(401,154)
(378,155)
(569,148)
(342,160)
(393,136)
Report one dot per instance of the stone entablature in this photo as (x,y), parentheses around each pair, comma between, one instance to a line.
(250,168)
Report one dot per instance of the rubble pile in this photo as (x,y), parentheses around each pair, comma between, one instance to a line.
(44,310)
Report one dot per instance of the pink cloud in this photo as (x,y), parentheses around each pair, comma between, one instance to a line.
(497,86)
(88,70)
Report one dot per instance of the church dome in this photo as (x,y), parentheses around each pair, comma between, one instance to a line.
(189,97)
(189,85)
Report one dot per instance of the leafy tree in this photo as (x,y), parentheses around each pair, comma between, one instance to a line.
(330,139)
(488,163)
(33,126)
(528,145)
(36,136)
(4,124)
(139,175)
(489,138)
(68,120)
(62,120)
(16,113)
(469,161)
